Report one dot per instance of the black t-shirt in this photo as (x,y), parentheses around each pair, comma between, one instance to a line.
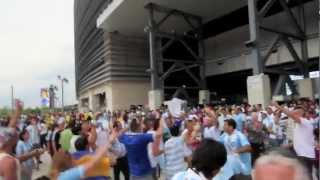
(57,139)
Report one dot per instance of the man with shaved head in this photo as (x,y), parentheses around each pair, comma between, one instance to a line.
(276,166)
(9,165)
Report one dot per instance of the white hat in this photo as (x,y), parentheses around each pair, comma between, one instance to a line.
(191,117)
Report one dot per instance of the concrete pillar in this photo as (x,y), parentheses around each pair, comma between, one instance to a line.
(90,104)
(80,105)
(204,96)
(305,89)
(93,102)
(84,103)
(155,99)
(259,90)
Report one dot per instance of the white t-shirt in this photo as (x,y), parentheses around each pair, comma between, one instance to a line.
(303,139)
(189,175)
(212,133)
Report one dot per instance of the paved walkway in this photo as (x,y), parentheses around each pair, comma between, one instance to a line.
(44,167)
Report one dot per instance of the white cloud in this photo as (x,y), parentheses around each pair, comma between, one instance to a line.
(36,42)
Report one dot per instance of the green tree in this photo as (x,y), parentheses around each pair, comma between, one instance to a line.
(5,111)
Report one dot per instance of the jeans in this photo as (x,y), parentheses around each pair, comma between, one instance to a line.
(308,163)
(121,166)
(257,149)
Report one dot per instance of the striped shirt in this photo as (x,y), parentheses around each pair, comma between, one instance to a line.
(174,152)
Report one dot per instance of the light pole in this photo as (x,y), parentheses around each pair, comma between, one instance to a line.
(52,95)
(12,99)
(63,80)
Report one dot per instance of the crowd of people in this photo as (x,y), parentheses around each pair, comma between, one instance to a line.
(205,142)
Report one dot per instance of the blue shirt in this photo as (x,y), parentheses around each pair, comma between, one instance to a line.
(240,119)
(21,149)
(137,152)
(75,173)
(232,167)
(235,141)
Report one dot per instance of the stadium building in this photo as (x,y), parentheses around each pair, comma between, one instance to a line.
(145,51)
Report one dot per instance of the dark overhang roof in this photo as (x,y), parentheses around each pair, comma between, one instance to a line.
(239,18)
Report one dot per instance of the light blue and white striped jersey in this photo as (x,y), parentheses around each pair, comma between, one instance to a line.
(174,153)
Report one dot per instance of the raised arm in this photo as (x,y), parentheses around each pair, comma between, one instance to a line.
(15,117)
(100,153)
(158,137)
(92,138)
(290,114)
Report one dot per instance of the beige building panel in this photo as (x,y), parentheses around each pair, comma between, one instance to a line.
(119,95)
(126,93)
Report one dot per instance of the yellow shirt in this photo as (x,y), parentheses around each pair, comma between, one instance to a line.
(102,168)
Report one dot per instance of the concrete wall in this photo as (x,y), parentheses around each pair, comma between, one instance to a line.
(119,95)
(126,93)
(92,98)
(227,52)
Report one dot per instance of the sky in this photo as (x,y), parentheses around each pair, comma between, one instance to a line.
(36,45)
